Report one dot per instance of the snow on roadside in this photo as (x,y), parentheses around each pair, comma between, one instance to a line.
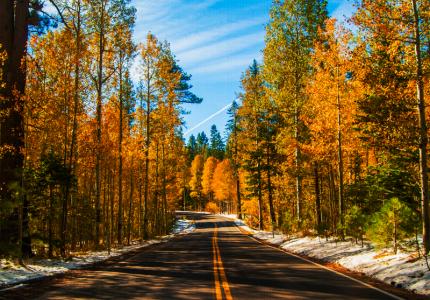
(183,226)
(12,273)
(403,270)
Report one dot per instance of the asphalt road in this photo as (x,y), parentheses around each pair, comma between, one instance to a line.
(216,261)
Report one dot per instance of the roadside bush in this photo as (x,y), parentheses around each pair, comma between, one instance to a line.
(392,224)
(355,223)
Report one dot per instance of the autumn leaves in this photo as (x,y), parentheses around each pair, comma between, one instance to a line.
(330,127)
(104,155)
(332,124)
(212,184)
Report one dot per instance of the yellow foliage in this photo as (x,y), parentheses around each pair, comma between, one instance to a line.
(224,182)
(208,174)
(212,207)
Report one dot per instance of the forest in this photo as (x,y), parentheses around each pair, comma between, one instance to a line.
(90,159)
(328,135)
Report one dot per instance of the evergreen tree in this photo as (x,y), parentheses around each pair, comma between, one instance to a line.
(192,147)
(202,142)
(183,90)
(392,224)
(232,150)
(216,144)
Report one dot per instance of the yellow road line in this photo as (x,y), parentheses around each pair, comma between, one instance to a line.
(224,281)
(219,267)
(218,291)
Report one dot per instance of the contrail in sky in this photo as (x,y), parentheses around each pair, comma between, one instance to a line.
(208,119)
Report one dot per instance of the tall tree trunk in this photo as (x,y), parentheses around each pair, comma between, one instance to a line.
(156,191)
(112,216)
(340,155)
(130,206)
(50,219)
(139,177)
(99,122)
(105,217)
(260,197)
(25,225)
(421,105)
(13,40)
(236,170)
(107,212)
(238,198)
(120,138)
(317,198)
(298,169)
(298,162)
(147,144)
(270,189)
(333,199)
(164,188)
(70,166)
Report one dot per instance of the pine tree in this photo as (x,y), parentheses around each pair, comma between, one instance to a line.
(202,144)
(216,144)
(232,150)
(192,147)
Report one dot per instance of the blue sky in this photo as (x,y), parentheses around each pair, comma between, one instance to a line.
(215,41)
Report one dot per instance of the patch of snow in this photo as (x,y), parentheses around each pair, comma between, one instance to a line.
(403,269)
(183,226)
(13,273)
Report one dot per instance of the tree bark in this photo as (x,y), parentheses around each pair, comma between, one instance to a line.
(299,191)
(317,198)
(99,120)
(13,40)
(130,206)
(147,144)
(50,219)
(238,203)
(236,170)
(423,131)
(340,155)
(164,188)
(76,97)
(120,138)
(270,189)
(260,197)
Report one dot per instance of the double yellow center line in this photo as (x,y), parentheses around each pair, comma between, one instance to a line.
(221,283)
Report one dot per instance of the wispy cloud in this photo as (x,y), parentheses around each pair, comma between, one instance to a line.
(229,64)
(221,49)
(211,34)
(200,38)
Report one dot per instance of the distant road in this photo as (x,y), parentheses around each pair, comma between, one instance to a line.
(216,261)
